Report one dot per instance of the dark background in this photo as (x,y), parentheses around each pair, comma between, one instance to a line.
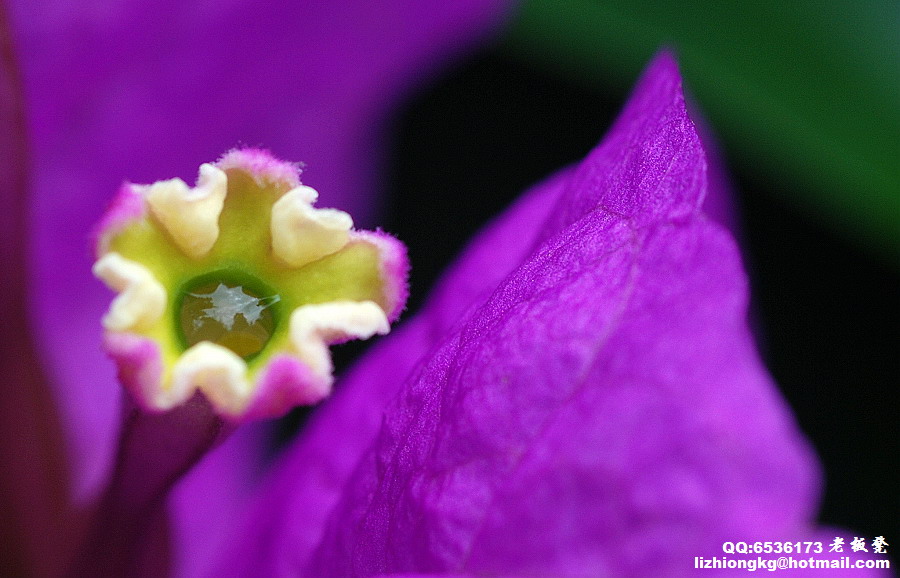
(827,310)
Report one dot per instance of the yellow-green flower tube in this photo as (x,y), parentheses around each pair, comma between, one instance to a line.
(236,287)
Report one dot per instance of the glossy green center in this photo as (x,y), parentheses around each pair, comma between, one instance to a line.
(228,312)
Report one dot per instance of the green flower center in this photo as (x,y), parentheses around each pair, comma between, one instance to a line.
(229,309)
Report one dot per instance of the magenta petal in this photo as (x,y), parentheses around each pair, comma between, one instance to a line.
(608,393)
(141,91)
(649,165)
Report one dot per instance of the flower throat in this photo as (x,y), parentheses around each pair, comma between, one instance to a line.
(228,314)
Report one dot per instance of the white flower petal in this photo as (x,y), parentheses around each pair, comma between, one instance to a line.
(301,233)
(142,298)
(191,216)
(215,370)
(314,327)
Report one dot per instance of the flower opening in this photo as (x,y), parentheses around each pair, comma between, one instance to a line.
(237,286)
(234,317)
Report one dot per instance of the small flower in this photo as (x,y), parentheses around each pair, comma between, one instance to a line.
(237,286)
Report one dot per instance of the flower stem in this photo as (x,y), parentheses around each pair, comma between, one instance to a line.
(155,451)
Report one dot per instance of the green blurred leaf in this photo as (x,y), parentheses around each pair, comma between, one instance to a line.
(805,94)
